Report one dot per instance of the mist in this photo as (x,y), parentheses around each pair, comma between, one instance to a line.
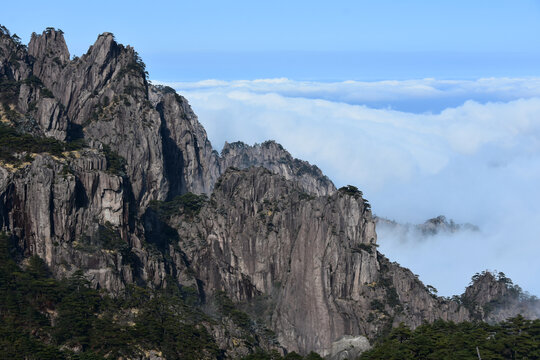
(475,160)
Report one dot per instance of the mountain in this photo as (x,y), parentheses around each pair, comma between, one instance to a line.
(429,228)
(106,176)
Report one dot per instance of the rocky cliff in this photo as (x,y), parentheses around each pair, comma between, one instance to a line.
(493,298)
(104,172)
(310,262)
(272,156)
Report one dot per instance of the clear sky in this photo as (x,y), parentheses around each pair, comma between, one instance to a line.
(429,107)
(317,40)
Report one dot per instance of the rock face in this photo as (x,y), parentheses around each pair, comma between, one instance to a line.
(262,234)
(109,191)
(56,209)
(349,347)
(495,298)
(310,260)
(273,157)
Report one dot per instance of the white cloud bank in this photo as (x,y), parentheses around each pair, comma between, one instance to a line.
(476,162)
(408,95)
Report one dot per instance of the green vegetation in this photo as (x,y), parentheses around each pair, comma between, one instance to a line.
(9,91)
(351,191)
(515,338)
(115,163)
(13,142)
(42,318)
(107,237)
(189,204)
(90,322)
(165,89)
(385,281)
(227,307)
(305,168)
(306,196)
(366,247)
(136,66)
(33,80)
(46,93)
(27,296)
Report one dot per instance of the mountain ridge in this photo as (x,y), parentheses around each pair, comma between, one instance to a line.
(127,188)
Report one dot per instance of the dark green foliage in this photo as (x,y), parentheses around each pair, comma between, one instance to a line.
(365,247)
(4,31)
(12,142)
(293,356)
(33,80)
(188,204)
(115,163)
(11,114)
(32,106)
(166,320)
(305,168)
(432,290)
(105,101)
(136,66)
(367,205)
(260,355)
(351,191)
(9,91)
(131,89)
(25,295)
(385,281)
(392,297)
(46,93)
(513,293)
(77,313)
(377,305)
(90,325)
(99,326)
(313,356)
(515,338)
(165,89)
(109,237)
(227,307)
(305,196)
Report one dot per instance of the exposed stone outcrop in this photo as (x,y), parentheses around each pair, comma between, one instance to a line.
(312,258)
(55,207)
(494,298)
(272,156)
(348,347)
(274,235)
(417,232)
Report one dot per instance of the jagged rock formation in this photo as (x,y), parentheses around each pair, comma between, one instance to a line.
(103,97)
(429,228)
(313,259)
(273,157)
(494,298)
(111,195)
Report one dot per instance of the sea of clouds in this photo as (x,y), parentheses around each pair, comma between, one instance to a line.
(469,150)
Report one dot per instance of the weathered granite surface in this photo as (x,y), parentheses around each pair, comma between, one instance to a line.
(273,232)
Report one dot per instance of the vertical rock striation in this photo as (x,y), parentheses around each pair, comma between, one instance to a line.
(99,177)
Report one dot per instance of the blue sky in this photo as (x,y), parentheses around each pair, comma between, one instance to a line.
(304,40)
(430,107)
